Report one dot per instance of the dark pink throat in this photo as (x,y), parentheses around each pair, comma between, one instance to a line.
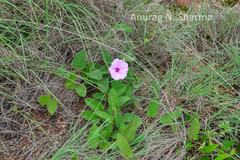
(117,69)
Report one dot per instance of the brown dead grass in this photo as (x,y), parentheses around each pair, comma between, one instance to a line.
(24,139)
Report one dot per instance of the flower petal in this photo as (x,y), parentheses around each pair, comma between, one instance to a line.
(122,75)
(122,65)
(116,76)
(112,71)
(115,63)
(123,71)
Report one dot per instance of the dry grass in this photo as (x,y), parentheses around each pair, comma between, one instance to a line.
(39,36)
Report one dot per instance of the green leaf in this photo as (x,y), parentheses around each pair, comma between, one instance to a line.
(129,116)
(124,27)
(116,83)
(232,152)
(120,89)
(15,109)
(146,40)
(89,115)
(153,108)
(114,134)
(238,148)
(130,75)
(130,131)
(222,156)
(104,70)
(62,72)
(81,90)
(205,158)
(194,129)
(75,157)
(188,116)
(107,145)
(100,96)
(94,104)
(122,128)
(52,106)
(103,84)
(210,148)
(109,129)
(128,91)
(107,58)
(106,132)
(43,100)
(124,147)
(97,74)
(113,102)
(139,138)
(189,145)
(123,100)
(93,137)
(119,121)
(79,60)
(170,117)
(89,67)
(226,145)
(70,82)
(104,115)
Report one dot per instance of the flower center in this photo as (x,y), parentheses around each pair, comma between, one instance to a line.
(117,69)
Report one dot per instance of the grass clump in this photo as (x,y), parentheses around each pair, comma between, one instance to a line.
(183,81)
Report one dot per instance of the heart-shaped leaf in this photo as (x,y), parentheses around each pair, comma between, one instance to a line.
(194,129)
(79,60)
(128,91)
(153,108)
(43,100)
(52,106)
(94,104)
(81,90)
(129,116)
(70,82)
(103,84)
(97,74)
(62,72)
(170,117)
(120,89)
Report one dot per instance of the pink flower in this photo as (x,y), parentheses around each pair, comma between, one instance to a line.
(118,69)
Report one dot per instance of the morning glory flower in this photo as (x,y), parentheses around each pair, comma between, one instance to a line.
(118,69)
